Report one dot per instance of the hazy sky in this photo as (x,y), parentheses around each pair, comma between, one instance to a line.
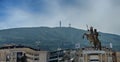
(102,14)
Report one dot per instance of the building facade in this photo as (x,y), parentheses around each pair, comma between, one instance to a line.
(22,54)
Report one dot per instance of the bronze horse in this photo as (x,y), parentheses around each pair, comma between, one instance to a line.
(93,38)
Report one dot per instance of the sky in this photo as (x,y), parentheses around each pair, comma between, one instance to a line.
(103,15)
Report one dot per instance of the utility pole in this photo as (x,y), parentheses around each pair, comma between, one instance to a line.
(58,54)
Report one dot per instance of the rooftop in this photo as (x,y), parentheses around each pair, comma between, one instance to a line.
(17,46)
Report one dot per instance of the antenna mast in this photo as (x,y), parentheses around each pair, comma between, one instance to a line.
(69,25)
(60,23)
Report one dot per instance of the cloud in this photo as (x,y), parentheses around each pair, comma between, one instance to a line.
(102,14)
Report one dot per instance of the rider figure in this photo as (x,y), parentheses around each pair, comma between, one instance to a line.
(96,34)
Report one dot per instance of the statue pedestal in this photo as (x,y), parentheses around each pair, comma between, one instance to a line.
(92,55)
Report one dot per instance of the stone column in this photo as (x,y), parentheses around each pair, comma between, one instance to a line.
(85,57)
(105,57)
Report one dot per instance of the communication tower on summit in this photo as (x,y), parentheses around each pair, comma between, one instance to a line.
(69,24)
(60,23)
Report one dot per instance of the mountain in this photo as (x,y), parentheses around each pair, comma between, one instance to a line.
(47,38)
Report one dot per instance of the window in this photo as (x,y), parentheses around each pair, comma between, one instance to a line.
(36,59)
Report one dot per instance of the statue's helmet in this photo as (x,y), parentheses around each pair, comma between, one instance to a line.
(95,30)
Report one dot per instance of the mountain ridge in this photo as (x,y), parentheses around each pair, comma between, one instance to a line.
(53,37)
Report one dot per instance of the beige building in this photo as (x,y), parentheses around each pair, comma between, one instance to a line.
(22,54)
(117,56)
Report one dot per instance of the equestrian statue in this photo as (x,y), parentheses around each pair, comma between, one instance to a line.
(92,36)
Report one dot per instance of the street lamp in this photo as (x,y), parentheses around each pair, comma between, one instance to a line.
(58,54)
